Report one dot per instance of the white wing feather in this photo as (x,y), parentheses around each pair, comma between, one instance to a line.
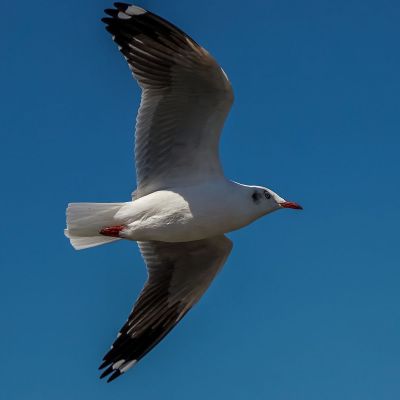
(179,274)
(185,99)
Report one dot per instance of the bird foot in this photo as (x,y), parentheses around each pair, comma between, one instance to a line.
(112,230)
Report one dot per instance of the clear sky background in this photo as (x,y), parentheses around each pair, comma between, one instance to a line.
(307,306)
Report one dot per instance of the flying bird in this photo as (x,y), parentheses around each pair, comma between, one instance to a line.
(183,204)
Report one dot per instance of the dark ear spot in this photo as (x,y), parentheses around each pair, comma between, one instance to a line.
(256,197)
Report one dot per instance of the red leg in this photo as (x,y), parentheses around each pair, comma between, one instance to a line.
(112,230)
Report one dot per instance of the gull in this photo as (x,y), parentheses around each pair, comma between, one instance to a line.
(183,204)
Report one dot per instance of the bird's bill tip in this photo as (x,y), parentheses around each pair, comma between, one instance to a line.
(291,204)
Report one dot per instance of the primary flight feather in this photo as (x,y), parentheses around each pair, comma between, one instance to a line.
(183,204)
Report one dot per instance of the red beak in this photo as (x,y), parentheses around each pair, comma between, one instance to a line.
(291,204)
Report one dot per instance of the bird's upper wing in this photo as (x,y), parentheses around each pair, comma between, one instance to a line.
(186,97)
(179,274)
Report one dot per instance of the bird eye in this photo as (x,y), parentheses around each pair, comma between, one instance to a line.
(267,194)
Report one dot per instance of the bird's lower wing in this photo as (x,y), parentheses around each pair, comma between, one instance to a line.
(179,274)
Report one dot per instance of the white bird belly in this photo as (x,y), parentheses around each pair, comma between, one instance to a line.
(181,215)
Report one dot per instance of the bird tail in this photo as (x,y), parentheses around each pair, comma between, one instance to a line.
(85,221)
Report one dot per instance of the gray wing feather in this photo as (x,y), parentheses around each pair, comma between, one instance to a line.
(185,99)
(178,275)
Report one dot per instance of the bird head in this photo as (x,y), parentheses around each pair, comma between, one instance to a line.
(267,201)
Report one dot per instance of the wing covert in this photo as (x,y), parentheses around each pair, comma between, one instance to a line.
(186,97)
(178,275)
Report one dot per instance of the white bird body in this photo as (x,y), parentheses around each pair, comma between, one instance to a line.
(183,205)
(190,212)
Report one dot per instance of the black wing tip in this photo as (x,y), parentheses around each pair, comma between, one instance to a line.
(123,12)
(106,372)
(115,373)
(130,9)
(112,12)
(121,6)
(104,364)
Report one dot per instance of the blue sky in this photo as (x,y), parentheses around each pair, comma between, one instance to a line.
(307,306)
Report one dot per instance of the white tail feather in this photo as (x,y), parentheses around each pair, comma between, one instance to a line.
(85,220)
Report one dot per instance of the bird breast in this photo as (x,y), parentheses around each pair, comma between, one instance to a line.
(183,214)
